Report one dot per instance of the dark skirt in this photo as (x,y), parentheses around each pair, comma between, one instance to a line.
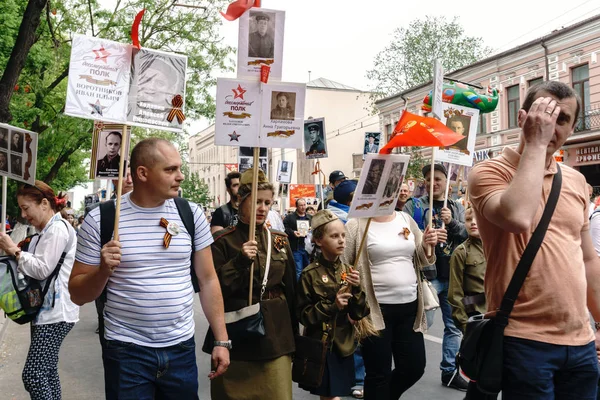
(338,377)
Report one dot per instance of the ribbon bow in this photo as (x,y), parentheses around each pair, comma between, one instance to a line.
(172,230)
(177,103)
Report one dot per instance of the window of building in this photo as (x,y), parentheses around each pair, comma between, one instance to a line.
(512,95)
(388,131)
(580,76)
(482,125)
(535,81)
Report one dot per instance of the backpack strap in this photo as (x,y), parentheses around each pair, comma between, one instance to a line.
(61,261)
(187,217)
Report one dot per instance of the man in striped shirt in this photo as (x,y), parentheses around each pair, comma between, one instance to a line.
(149,324)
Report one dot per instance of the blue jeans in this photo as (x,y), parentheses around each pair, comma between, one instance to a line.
(359,368)
(145,373)
(301,259)
(544,371)
(452,335)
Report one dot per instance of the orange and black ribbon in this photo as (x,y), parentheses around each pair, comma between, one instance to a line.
(28,140)
(177,103)
(167,239)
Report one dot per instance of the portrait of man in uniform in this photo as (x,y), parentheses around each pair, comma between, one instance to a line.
(373,177)
(108,165)
(283,105)
(460,124)
(314,139)
(16,165)
(393,184)
(261,41)
(16,142)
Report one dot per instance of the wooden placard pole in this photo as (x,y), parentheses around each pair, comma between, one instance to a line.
(4,185)
(447,188)
(252,234)
(362,244)
(431,180)
(120,184)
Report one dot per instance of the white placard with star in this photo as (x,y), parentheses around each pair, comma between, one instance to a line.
(99,75)
(238,113)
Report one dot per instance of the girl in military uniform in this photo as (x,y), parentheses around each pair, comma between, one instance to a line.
(330,300)
(260,368)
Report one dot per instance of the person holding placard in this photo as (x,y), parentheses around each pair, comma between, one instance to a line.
(55,241)
(260,367)
(149,291)
(290,222)
(390,272)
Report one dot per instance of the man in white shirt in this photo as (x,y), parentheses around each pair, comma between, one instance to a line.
(149,324)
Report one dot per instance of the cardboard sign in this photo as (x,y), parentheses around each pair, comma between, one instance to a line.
(462,120)
(306,192)
(238,113)
(315,138)
(284,171)
(379,185)
(282,116)
(18,153)
(246,159)
(106,150)
(113,82)
(260,41)
(372,140)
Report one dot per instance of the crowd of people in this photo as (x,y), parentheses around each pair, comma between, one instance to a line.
(367,308)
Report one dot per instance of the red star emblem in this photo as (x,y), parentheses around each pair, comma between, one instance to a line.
(101,54)
(238,93)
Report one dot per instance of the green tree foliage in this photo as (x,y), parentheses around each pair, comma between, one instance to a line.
(38,99)
(194,189)
(407,60)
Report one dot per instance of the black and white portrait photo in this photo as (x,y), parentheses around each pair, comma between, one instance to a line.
(373,177)
(371,143)
(261,41)
(3,161)
(460,124)
(284,171)
(283,105)
(395,178)
(314,139)
(3,138)
(16,165)
(106,148)
(16,142)
(156,79)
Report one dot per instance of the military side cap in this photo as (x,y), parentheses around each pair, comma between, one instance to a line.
(321,218)
(246,178)
(313,127)
(261,16)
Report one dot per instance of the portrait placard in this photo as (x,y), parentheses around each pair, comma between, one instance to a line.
(302,191)
(284,171)
(462,120)
(106,151)
(371,143)
(260,41)
(246,159)
(238,113)
(99,75)
(379,185)
(282,122)
(157,90)
(18,153)
(303,227)
(315,138)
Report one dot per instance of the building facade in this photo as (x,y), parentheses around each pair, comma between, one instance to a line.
(569,55)
(347,115)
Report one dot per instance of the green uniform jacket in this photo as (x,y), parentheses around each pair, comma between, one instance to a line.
(467,271)
(315,299)
(233,270)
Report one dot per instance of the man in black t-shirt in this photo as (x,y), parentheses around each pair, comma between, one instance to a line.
(227,214)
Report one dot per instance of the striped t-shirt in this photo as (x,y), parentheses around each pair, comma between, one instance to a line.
(150,294)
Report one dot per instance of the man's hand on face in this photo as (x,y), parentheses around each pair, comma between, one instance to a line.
(540,121)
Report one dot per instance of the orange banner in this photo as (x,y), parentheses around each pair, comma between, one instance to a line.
(301,192)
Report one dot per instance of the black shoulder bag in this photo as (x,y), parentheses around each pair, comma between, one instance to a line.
(481,353)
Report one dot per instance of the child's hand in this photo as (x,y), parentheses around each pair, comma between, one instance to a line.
(353,277)
(341,299)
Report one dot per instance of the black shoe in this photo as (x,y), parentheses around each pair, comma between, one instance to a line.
(455,381)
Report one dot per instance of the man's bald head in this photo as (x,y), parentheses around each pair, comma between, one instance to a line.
(146,154)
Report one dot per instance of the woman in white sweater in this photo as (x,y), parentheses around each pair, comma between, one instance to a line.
(389,265)
(55,242)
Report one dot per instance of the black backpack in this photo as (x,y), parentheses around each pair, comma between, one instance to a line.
(25,301)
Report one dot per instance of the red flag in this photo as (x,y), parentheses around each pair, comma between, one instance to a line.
(414,130)
(135,27)
(238,7)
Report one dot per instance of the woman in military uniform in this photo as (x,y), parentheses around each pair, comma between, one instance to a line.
(260,368)
(329,301)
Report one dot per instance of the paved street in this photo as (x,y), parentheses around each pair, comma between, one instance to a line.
(81,367)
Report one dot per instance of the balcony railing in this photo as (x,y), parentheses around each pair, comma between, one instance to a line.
(590,118)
